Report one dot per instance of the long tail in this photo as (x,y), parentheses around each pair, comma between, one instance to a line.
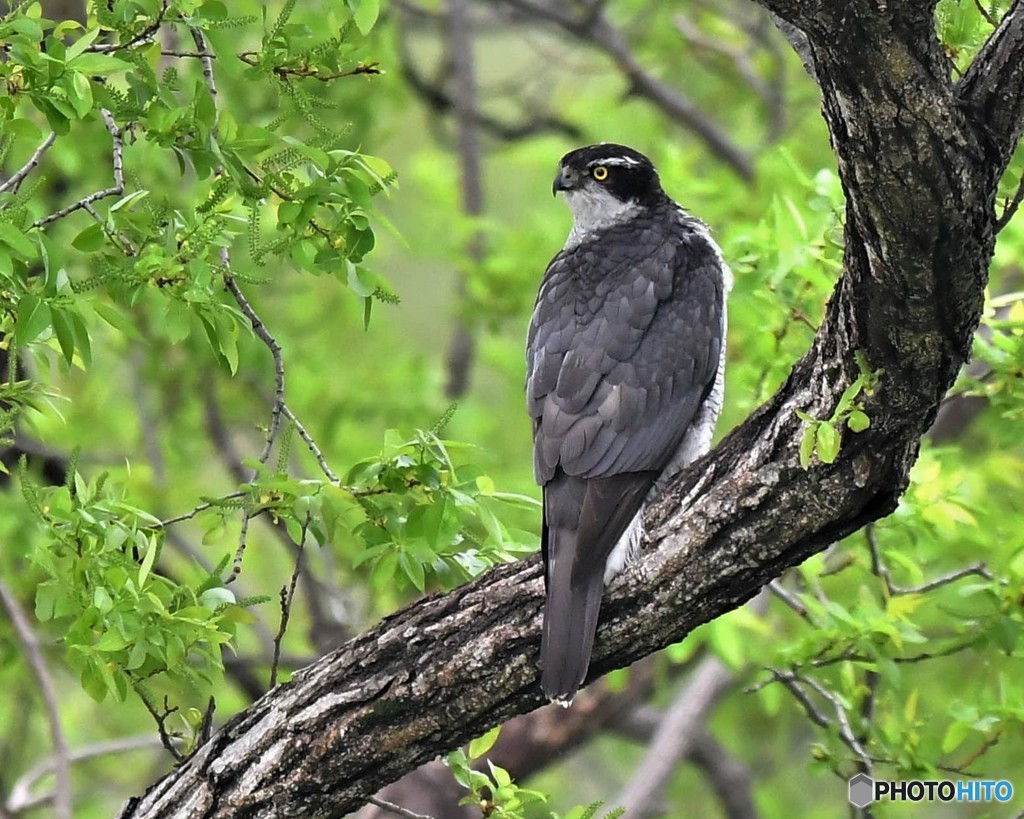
(570,618)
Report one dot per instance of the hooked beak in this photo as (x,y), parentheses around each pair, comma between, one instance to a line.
(565,180)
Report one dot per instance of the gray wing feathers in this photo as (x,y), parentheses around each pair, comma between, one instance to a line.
(617,374)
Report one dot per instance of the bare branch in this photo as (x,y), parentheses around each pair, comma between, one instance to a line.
(462,344)
(202,507)
(309,72)
(117,189)
(675,736)
(23,799)
(1011,207)
(678,729)
(728,775)
(984,12)
(147,35)
(594,28)
(740,60)
(15,180)
(62,795)
(396,809)
(169,739)
(311,444)
(436,97)
(879,568)
(794,684)
(789,598)
(287,596)
(171,52)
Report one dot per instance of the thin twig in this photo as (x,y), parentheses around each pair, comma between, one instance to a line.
(1011,208)
(62,795)
(310,443)
(22,799)
(174,52)
(992,21)
(14,182)
(310,72)
(202,507)
(117,189)
(261,331)
(398,810)
(789,599)
(258,327)
(287,595)
(879,568)
(167,738)
(793,683)
(693,36)
(264,335)
(147,35)
(207,61)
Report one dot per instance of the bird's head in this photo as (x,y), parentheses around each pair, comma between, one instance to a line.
(606,183)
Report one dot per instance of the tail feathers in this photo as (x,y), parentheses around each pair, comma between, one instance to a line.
(570,619)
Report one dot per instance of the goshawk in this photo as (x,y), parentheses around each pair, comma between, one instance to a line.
(625,363)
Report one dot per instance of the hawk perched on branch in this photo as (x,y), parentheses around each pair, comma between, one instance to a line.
(625,362)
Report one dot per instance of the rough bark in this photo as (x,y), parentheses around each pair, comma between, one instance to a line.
(919,157)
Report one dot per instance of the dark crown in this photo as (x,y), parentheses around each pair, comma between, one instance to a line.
(631,176)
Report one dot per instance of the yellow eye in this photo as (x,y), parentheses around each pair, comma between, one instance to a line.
(600,173)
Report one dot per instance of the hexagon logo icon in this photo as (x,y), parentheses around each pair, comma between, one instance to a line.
(862,790)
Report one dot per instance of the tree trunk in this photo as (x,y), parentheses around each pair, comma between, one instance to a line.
(920,157)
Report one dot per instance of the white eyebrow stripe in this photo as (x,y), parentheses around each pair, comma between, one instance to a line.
(615,160)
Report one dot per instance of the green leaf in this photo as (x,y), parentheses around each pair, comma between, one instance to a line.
(17,241)
(93,680)
(216,597)
(90,239)
(365,15)
(807,445)
(102,601)
(955,734)
(413,569)
(79,93)
(361,281)
(113,316)
(81,44)
(46,600)
(21,128)
(92,63)
(83,343)
(147,561)
(858,421)
(33,318)
(827,440)
(110,641)
(65,333)
(481,745)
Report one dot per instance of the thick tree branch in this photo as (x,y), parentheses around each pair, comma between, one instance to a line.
(920,183)
(993,87)
(675,737)
(459,21)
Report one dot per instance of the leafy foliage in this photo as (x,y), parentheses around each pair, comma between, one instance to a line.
(192,240)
